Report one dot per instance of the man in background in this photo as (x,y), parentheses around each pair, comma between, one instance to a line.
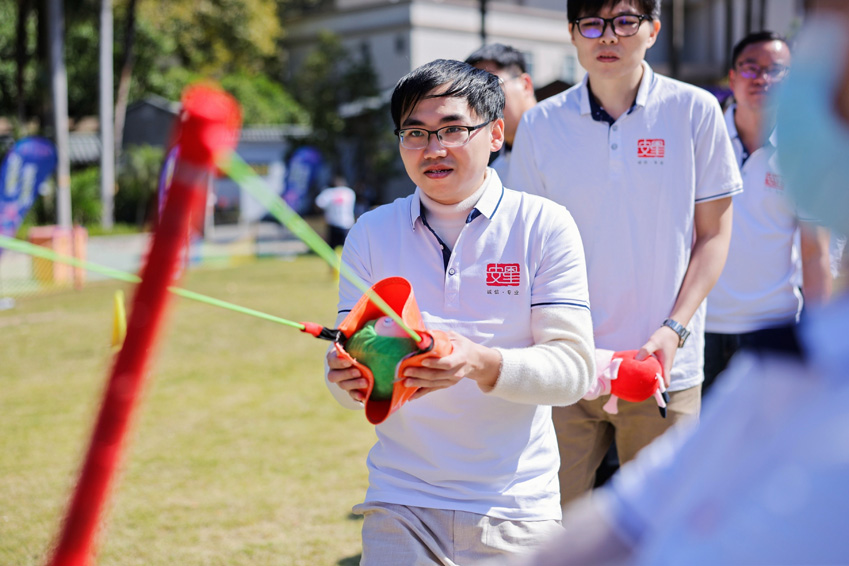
(645,166)
(508,64)
(756,302)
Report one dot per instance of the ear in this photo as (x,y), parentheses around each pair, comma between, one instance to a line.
(732,79)
(527,83)
(655,29)
(572,32)
(497,135)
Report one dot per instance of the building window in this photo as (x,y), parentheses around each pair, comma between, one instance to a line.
(400,44)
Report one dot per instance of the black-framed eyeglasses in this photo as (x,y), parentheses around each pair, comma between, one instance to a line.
(448,136)
(625,25)
(773,73)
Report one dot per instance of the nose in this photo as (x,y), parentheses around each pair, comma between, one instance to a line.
(607,33)
(433,147)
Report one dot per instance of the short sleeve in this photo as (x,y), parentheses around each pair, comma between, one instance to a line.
(717,172)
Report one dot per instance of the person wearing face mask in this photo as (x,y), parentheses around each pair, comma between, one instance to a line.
(762,480)
(756,302)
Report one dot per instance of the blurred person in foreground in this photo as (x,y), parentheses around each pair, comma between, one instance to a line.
(763,480)
(508,64)
(756,301)
(468,468)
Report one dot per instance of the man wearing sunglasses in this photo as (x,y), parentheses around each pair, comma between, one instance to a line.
(645,166)
(756,302)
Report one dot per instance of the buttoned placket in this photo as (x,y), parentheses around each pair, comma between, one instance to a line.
(616,149)
(452,263)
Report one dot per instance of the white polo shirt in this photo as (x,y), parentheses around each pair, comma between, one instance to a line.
(756,289)
(459,448)
(632,189)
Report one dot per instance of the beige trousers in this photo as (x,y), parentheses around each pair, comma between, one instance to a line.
(400,535)
(585,432)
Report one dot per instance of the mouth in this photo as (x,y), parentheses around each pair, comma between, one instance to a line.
(439,172)
(607,58)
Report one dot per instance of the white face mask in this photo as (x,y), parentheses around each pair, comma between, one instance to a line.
(813,147)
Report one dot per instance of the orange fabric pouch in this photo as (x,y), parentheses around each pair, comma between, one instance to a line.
(398,294)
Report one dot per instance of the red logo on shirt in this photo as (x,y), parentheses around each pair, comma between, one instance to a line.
(773,181)
(651,148)
(502,275)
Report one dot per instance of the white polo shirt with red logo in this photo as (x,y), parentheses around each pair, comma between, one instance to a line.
(459,448)
(632,188)
(756,289)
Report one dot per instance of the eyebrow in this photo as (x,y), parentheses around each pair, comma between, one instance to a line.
(445,119)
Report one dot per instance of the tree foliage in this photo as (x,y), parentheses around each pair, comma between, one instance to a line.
(176,42)
(331,77)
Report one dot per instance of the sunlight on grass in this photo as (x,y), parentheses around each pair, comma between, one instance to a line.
(238,454)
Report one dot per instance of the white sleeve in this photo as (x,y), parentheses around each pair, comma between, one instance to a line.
(558,368)
(717,172)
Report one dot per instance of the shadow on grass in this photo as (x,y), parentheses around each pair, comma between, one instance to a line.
(352,560)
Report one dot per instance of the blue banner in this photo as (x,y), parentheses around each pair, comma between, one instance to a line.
(27,165)
(302,172)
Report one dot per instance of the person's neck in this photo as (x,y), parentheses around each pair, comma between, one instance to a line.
(617,95)
(753,127)
(455,210)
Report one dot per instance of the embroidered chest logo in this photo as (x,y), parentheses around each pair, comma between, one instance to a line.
(773,181)
(651,149)
(503,275)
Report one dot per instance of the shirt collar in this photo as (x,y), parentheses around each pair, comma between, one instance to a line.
(772,140)
(642,91)
(487,205)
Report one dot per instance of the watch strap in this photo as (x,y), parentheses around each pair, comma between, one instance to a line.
(679,329)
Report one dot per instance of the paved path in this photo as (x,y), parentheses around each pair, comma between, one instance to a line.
(126,252)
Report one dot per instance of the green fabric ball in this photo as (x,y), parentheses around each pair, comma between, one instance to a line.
(381,355)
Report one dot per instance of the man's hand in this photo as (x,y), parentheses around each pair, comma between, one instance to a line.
(663,344)
(466,359)
(345,375)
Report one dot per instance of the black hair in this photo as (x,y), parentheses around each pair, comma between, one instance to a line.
(755,37)
(581,8)
(500,55)
(480,89)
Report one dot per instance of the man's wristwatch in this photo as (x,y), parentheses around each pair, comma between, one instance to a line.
(679,330)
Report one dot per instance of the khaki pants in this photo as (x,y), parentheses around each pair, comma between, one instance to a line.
(585,432)
(400,535)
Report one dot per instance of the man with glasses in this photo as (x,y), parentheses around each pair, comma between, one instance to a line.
(468,469)
(756,302)
(508,64)
(645,166)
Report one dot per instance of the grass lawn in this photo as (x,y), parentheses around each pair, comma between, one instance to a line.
(238,454)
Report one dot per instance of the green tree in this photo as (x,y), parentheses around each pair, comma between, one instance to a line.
(318,87)
(138,181)
(330,78)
